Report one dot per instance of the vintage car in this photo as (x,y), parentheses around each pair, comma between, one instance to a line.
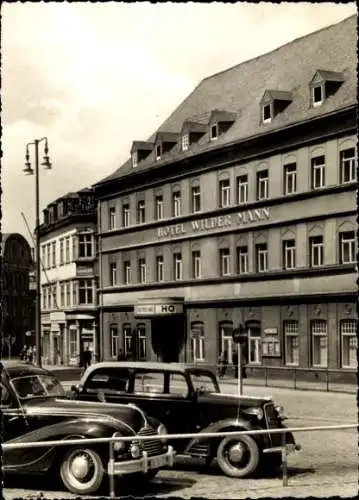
(187,399)
(34,408)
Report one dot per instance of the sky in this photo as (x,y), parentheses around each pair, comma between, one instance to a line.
(93,77)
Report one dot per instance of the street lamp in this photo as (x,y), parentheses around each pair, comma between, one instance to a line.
(30,171)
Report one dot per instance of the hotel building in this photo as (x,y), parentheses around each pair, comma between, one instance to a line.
(68,278)
(241,209)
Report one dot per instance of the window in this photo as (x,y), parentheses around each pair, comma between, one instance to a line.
(318,330)
(141,335)
(68,293)
(48,248)
(214,132)
(43,258)
(112,218)
(44,297)
(224,193)
(318,95)
(196,199)
(288,252)
(127,339)
(72,343)
(185,142)
(158,152)
(291,339)
(113,274)
(74,247)
(196,264)
(254,346)
(86,247)
(178,385)
(134,159)
(159,207)
(347,165)
(54,296)
(226,340)
(262,185)
(74,293)
(62,294)
(349,342)
(125,215)
(318,172)
(127,272)
(290,178)
(148,382)
(242,189)
(224,262)
(177,266)
(267,115)
(316,251)
(347,253)
(242,260)
(176,204)
(142,270)
(159,268)
(115,341)
(49,297)
(261,257)
(61,251)
(53,254)
(67,249)
(141,212)
(108,379)
(197,341)
(86,295)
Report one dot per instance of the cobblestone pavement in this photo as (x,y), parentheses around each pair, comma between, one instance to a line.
(326,466)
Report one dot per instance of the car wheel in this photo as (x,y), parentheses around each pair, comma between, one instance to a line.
(238,456)
(82,471)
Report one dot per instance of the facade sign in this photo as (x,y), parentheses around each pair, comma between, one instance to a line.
(270,331)
(211,223)
(158,309)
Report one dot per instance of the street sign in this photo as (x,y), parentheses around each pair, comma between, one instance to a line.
(240,335)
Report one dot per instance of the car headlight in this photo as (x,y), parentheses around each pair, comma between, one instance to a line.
(162,431)
(280,412)
(257,412)
(118,445)
(135,450)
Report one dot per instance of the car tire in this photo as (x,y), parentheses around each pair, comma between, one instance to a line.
(82,470)
(238,456)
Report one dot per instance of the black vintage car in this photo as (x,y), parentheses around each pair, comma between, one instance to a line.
(34,408)
(187,399)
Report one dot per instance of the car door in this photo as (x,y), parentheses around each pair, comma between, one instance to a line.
(106,383)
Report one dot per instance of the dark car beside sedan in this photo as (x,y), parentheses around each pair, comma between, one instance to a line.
(34,409)
(188,399)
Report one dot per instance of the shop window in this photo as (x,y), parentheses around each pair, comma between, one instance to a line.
(197,341)
(254,346)
(318,329)
(127,339)
(226,340)
(347,159)
(115,341)
(291,340)
(142,341)
(349,343)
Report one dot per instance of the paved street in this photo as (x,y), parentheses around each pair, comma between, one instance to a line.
(327,465)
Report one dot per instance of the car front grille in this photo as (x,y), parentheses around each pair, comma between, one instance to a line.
(271,416)
(152,446)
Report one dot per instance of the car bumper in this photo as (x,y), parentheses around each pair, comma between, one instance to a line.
(290,448)
(143,464)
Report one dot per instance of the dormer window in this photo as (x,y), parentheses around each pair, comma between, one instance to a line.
(185,142)
(267,113)
(214,132)
(134,159)
(318,96)
(158,151)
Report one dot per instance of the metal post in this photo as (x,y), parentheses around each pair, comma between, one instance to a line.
(295,378)
(327,380)
(265,376)
(284,460)
(111,476)
(239,374)
(37,258)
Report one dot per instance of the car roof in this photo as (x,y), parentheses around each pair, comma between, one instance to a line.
(148,365)
(22,370)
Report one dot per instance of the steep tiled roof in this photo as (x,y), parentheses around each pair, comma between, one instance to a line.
(240,89)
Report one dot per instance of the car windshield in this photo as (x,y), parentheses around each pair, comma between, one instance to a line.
(204,382)
(37,386)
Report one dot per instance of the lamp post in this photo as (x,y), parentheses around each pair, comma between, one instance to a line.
(30,171)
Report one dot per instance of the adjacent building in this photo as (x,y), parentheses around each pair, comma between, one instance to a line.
(18,318)
(69,278)
(241,209)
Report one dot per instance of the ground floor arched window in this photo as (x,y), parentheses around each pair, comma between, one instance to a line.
(127,339)
(349,343)
(142,342)
(197,341)
(226,340)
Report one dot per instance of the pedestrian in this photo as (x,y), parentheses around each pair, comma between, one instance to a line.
(29,354)
(223,364)
(120,356)
(235,363)
(23,353)
(87,356)
(34,354)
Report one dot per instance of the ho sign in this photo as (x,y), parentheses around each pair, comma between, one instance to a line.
(157,309)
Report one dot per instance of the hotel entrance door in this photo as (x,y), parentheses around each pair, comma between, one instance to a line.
(168,338)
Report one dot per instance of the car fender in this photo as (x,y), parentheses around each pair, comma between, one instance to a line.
(220,426)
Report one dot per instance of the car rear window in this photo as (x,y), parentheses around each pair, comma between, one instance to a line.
(109,379)
(149,382)
(178,385)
